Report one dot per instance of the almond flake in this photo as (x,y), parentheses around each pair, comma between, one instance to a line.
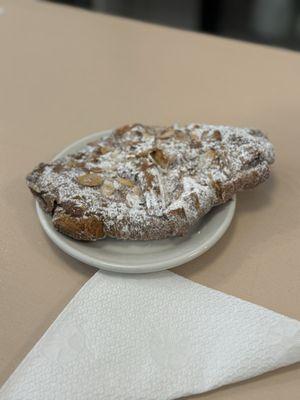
(90,180)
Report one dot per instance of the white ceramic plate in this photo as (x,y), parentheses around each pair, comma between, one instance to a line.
(141,256)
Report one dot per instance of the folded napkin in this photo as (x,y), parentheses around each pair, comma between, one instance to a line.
(156,336)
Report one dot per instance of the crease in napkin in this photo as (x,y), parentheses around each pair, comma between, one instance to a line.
(156,336)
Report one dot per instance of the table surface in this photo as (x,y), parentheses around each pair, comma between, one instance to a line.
(65,73)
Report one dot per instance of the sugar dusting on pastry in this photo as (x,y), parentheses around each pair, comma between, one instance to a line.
(148,182)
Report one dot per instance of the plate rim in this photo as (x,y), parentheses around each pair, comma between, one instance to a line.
(55,236)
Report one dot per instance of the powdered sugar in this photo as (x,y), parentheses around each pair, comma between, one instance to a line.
(154,177)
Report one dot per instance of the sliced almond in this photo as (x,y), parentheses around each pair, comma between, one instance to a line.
(96,170)
(167,134)
(107,188)
(147,135)
(204,135)
(136,190)
(90,180)
(160,158)
(102,150)
(75,164)
(211,153)
(114,154)
(123,129)
(196,142)
(105,149)
(194,136)
(216,135)
(179,135)
(126,182)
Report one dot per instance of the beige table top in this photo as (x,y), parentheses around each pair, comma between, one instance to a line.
(65,73)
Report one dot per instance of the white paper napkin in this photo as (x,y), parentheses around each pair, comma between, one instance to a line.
(156,336)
